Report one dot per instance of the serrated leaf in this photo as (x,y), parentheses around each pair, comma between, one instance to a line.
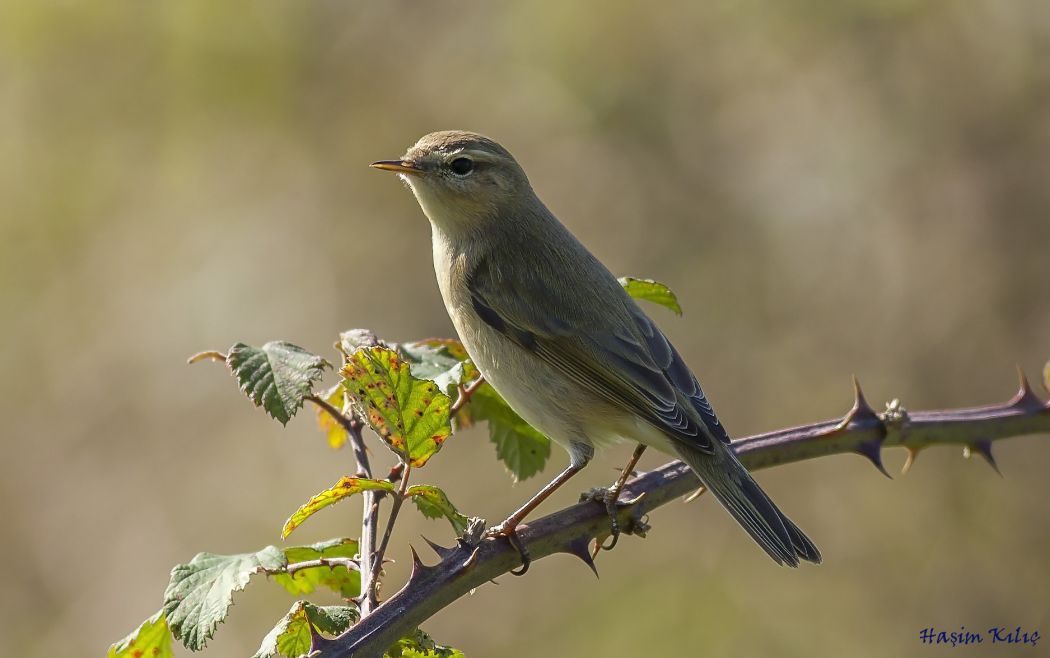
(152,639)
(344,582)
(276,376)
(434,504)
(651,291)
(346,486)
(522,449)
(200,592)
(410,414)
(334,432)
(418,644)
(291,637)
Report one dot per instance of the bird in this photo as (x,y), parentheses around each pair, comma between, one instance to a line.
(554,332)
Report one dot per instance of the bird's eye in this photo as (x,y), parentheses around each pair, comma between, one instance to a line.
(461,166)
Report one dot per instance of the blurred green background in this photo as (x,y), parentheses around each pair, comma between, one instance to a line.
(831,188)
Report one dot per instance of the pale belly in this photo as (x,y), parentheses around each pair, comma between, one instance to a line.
(539,394)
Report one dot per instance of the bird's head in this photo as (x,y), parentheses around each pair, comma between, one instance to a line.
(462,180)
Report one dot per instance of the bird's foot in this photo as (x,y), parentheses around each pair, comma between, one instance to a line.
(610,498)
(509,530)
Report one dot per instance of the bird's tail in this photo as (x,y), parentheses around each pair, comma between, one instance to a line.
(726,478)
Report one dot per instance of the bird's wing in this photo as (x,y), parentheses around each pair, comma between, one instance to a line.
(622,357)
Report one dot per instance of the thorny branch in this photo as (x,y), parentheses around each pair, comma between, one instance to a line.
(471,564)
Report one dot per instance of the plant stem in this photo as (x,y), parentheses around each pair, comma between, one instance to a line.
(370,515)
(399,499)
(465,394)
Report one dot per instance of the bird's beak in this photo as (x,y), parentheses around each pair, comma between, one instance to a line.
(400,166)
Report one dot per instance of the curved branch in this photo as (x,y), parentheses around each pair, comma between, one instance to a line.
(571,530)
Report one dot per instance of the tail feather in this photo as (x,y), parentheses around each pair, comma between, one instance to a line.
(804,547)
(733,486)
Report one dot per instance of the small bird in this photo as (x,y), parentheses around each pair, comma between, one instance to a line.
(555,333)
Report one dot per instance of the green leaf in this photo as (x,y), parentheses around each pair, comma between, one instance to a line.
(344,582)
(522,449)
(334,432)
(291,636)
(651,291)
(410,414)
(346,486)
(418,644)
(199,594)
(444,361)
(434,504)
(152,639)
(276,376)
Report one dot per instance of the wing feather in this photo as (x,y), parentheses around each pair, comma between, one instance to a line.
(626,361)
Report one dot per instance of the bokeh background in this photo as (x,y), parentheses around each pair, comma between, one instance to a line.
(831,188)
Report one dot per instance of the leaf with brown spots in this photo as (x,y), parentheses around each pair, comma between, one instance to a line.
(152,639)
(410,414)
(346,486)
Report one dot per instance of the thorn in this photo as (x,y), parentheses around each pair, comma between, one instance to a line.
(317,641)
(860,409)
(696,494)
(630,502)
(1025,398)
(983,447)
(910,461)
(441,551)
(580,547)
(469,562)
(417,564)
(873,451)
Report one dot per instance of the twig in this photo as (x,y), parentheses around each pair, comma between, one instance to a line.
(370,499)
(463,567)
(331,562)
(465,394)
(210,355)
(399,499)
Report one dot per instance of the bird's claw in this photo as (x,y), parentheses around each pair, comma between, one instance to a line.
(610,498)
(510,532)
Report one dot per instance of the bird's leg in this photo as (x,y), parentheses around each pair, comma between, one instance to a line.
(509,527)
(611,495)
